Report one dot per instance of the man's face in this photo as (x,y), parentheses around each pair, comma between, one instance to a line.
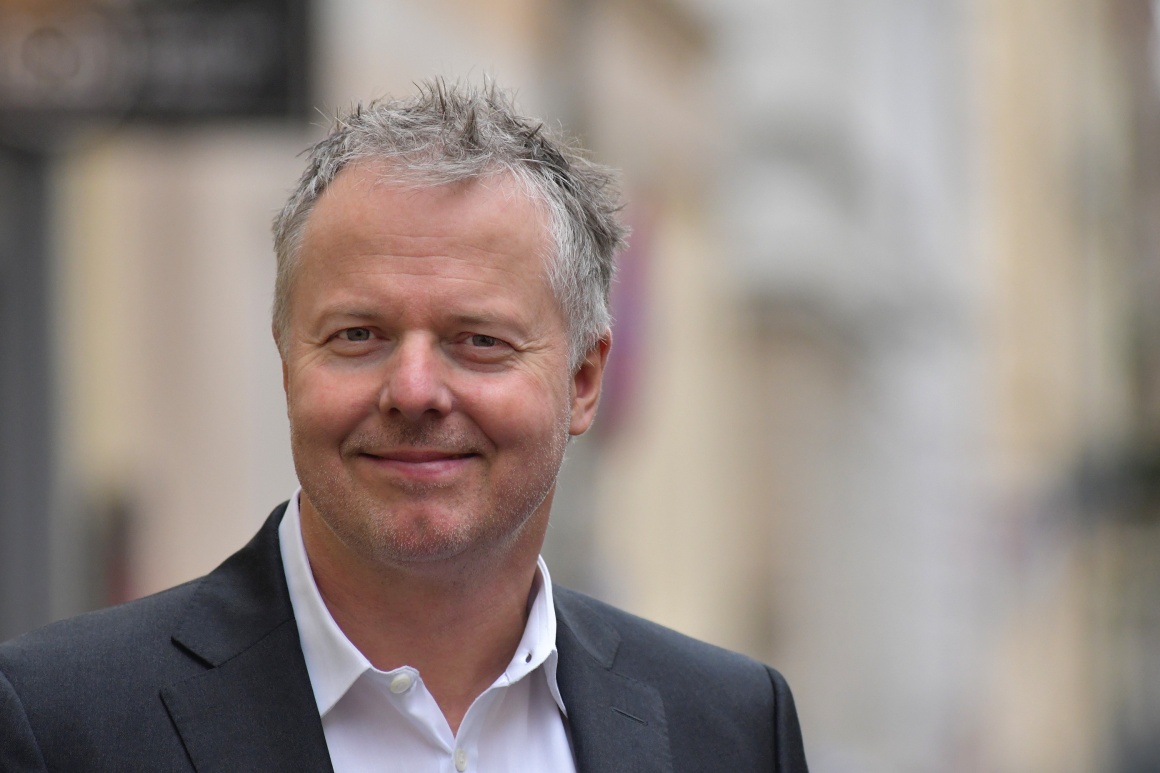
(426,368)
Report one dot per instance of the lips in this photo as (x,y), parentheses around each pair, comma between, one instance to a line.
(417,455)
(419,465)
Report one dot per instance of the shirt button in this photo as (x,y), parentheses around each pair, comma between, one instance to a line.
(460,760)
(401,683)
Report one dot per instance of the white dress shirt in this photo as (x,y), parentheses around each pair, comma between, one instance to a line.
(387,720)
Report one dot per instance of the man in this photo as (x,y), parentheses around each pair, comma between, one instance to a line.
(441,314)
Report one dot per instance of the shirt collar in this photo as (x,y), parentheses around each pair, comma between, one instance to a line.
(334,664)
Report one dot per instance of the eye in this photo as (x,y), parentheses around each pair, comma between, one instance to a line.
(483,341)
(355,334)
(482,349)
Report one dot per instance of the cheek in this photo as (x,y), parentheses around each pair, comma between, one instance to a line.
(322,405)
(523,412)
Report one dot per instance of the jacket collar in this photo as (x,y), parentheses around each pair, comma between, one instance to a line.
(617,722)
(253,707)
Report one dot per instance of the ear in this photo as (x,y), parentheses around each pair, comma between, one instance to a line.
(586,382)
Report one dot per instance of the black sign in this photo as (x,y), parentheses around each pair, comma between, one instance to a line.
(155,60)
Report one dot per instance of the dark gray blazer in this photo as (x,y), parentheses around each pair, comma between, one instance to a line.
(209,676)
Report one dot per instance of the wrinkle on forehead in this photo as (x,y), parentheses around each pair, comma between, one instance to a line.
(376,173)
(450,204)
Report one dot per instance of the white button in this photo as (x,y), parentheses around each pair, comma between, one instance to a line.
(401,683)
(460,760)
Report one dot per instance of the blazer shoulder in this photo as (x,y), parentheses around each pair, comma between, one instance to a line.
(106,652)
(74,691)
(713,698)
(89,693)
(246,585)
(101,632)
(632,641)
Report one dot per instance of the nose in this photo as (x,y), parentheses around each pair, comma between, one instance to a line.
(415,383)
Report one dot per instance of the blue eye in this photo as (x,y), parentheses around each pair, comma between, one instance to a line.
(356,334)
(484,341)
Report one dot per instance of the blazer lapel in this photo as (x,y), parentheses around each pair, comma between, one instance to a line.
(253,707)
(617,723)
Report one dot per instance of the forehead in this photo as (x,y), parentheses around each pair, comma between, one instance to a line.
(370,200)
(371,239)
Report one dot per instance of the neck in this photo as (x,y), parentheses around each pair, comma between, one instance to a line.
(457,621)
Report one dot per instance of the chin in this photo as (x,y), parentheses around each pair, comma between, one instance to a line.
(420,545)
(403,536)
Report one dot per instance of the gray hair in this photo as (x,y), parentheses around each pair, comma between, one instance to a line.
(453,132)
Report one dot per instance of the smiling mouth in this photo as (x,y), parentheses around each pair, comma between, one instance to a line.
(420,465)
(414,467)
(417,456)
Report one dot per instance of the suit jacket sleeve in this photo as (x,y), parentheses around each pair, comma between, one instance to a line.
(787,734)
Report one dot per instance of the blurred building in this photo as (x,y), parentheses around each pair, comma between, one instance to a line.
(885,394)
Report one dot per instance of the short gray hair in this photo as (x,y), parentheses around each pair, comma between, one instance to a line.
(450,132)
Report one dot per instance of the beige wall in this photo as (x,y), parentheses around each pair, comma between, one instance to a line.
(172,380)
(1058,143)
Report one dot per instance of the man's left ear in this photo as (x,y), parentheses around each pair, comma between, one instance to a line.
(586,383)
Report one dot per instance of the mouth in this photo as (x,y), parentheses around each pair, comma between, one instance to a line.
(418,456)
(419,464)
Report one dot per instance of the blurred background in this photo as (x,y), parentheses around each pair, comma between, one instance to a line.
(884,404)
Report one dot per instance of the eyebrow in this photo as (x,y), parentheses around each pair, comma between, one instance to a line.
(480,319)
(468,319)
(351,311)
